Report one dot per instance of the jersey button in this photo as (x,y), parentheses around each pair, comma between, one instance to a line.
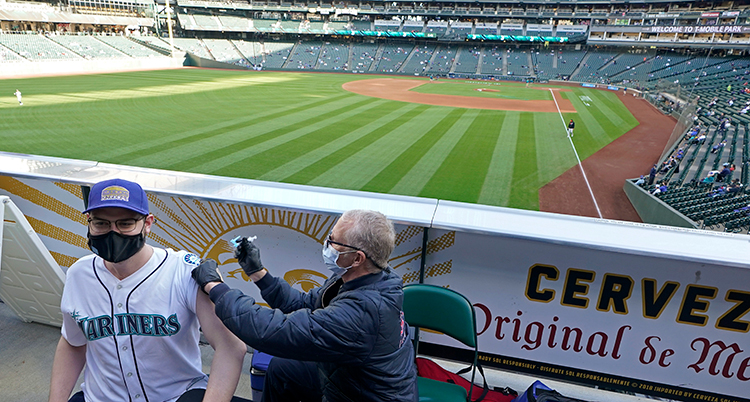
(138,395)
(130,374)
(119,305)
(124,348)
(119,286)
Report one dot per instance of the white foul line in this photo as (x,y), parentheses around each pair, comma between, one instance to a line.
(565,127)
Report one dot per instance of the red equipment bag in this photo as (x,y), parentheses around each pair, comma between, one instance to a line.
(429,369)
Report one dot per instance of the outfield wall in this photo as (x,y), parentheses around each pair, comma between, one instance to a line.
(634,307)
(654,210)
(60,67)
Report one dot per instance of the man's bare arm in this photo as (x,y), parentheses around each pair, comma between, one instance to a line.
(67,366)
(229,352)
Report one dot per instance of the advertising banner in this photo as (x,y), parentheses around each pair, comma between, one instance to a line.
(637,322)
(698,29)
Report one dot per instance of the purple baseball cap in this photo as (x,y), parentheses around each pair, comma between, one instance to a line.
(118,193)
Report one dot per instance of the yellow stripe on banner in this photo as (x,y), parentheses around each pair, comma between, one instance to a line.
(74,189)
(54,232)
(45,201)
(164,243)
(63,260)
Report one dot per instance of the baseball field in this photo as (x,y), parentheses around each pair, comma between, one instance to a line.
(494,143)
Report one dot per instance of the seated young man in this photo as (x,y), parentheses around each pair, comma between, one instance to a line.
(132,314)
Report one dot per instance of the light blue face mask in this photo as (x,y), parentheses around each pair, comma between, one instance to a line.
(330,256)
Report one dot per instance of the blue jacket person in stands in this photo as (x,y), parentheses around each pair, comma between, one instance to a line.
(344,341)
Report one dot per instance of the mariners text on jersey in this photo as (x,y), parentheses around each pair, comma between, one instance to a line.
(128,324)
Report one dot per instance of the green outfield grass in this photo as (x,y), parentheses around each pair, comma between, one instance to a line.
(305,129)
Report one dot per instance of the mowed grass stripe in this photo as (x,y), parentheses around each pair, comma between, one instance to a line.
(588,133)
(287,134)
(524,188)
(235,154)
(496,186)
(414,181)
(149,91)
(177,140)
(370,155)
(462,174)
(387,178)
(330,133)
(371,160)
(611,108)
(553,151)
(316,162)
(179,154)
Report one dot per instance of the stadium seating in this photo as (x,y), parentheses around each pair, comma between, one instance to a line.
(9,56)
(129,47)
(518,62)
(334,57)
(305,55)
(492,61)
(225,51)
(443,60)
(251,51)
(88,47)
(467,60)
(594,61)
(276,54)
(459,32)
(37,47)
(392,56)
(363,57)
(194,46)
(233,23)
(419,62)
(485,28)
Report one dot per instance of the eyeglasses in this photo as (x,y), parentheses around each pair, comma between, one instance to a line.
(123,225)
(330,241)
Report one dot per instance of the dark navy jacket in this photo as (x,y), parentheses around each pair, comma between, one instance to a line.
(354,330)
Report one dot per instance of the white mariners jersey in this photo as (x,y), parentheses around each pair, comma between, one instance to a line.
(141,333)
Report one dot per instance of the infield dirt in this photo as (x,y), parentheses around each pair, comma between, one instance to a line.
(400,90)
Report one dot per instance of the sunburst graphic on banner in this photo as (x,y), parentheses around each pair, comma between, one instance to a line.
(47,207)
(205,228)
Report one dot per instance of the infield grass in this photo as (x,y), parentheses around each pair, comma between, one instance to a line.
(304,128)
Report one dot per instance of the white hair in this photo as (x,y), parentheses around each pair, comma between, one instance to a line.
(372,232)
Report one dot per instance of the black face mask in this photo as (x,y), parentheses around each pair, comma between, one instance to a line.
(116,247)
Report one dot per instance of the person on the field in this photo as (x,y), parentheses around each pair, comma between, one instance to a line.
(19,97)
(132,314)
(571,126)
(344,341)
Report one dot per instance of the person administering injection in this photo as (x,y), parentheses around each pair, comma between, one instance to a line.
(344,341)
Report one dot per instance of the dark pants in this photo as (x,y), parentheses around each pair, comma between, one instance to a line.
(291,380)
(194,395)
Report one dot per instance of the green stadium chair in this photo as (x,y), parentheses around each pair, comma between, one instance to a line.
(440,309)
